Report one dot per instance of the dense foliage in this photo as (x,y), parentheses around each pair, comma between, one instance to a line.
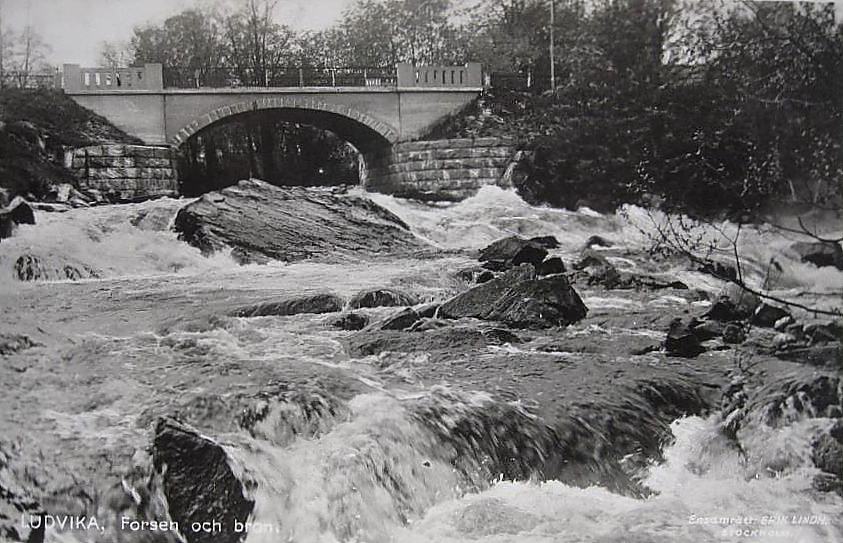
(715,108)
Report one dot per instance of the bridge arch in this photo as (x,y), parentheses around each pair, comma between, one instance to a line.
(358,128)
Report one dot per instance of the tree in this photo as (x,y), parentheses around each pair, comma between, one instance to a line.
(24,55)
(189,45)
(115,54)
(259,48)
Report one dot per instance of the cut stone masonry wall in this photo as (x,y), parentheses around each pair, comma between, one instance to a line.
(448,170)
(125,172)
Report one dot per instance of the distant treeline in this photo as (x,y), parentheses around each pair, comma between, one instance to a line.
(705,105)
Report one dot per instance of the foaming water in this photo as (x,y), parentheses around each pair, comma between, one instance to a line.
(767,261)
(128,240)
(380,477)
(381,468)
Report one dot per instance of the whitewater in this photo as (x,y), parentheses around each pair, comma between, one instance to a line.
(121,349)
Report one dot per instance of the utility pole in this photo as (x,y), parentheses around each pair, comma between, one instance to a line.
(2,42)
(552,60)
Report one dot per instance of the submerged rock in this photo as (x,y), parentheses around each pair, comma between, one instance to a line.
(31,267)
(820,253)
(597,241)
(13,343)
(548,242)
(350,321)
(401,320)
(291,223)
(444,340)
(317,303)
(382,297)
(199,482)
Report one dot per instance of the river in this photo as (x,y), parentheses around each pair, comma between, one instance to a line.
(150,337)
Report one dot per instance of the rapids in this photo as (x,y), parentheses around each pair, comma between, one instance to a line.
(372,459)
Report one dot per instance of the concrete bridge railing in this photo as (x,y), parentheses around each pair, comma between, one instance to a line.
(154,77)
(76,78)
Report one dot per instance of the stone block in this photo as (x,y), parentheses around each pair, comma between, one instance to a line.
(162,152)
(114,150)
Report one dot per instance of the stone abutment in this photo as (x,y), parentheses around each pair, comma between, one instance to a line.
(443,170)
(125,172)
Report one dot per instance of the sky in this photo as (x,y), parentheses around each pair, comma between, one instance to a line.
(75,29)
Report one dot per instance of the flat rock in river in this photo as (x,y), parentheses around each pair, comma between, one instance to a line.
(290,223)
(316,303)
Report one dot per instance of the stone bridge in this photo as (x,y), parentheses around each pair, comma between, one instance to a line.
(372,115)
(377,112)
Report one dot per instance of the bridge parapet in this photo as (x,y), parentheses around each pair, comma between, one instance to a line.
(468,75)
(148,78)
(153,77)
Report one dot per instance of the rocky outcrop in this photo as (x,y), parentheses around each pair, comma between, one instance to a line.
(317,303)
(519,299)
(199,483)
(820,253)
(15,213)
(480,300)
(31,267)
(539,303)
(382,297)
(290,224)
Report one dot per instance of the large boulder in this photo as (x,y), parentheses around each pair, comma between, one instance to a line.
(519,299)
(539,303)
(820,253)
(480,300)
(199,483)
(316,303)
(290,224)
(513,251)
